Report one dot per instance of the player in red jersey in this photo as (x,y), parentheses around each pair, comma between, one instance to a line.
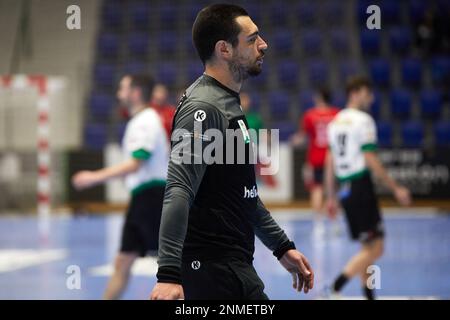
(313,128)
(166,111)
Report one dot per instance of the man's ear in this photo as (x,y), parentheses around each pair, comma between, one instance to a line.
(223,50)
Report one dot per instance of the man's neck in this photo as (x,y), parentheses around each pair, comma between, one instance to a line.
(136,109)
(224,76)
(352,105)
(322,106)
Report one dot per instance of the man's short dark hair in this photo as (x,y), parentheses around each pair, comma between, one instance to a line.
(324,93)
(357,82)
(214,23)
(144,82)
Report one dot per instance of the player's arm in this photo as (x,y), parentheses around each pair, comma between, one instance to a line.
(301,136)
(183,180)
(87,179)
(376,167)
(141,146)
(368,134)
(274,238)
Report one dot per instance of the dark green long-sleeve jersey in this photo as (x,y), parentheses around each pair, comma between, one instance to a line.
(211,208)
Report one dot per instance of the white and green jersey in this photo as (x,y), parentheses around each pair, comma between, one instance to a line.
(351,133)
(145,139)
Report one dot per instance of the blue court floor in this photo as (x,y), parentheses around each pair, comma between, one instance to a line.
(416,263)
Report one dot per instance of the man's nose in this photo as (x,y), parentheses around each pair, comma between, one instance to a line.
(263,45)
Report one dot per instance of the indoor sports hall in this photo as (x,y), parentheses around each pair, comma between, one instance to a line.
(61,63)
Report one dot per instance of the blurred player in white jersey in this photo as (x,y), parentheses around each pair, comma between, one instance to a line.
(146,153)
(352,159)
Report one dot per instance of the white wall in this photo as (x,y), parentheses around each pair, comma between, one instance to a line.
(54,50)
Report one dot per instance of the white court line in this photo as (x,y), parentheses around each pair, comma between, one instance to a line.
(16,259)
(388,298)
(391,213)
(147,266)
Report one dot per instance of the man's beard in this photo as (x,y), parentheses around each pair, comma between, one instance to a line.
(241,72)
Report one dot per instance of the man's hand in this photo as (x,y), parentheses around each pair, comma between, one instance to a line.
(332,207)
(167,291)
(402,195)
(84,179)
(300,269)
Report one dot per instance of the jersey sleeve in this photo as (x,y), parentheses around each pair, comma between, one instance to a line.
(144,136)
(368,135)
(269,232)
(185,173)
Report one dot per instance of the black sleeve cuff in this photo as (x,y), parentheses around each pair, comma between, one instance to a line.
(169,274)
(281,250)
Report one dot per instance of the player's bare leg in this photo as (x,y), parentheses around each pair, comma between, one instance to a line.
(359,263)
(119,280)
(317,204)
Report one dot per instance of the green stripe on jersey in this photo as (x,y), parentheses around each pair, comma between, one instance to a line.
(141,154)
(369,147)
(148,185)
(353,176)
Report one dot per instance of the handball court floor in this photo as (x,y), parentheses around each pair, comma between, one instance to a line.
(416,263)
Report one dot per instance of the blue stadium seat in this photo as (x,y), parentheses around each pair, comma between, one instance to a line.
(411,72)
(188,45)
(347,68)
(120,131)
(278,13)
(361,10)
(195,70)
(312,42)
(288,73)
(333,12)
(134,67)
(440,70)
(168,16)
(339,41)
(138,44)
(370,41)
(261,80)
(442,133)
(279,105)
(384,130)
(286,129)
(380,71)
(191,11)
(112,15)
(317,72)
(256,100)
(307,13)
(306,99)
(431,103)
(108,45)
(101,105)
(375,108)
(167,43)
(254,10)
(401,103)
(338,99)
(283,42)
(140,15)
(167,74)
(104,75)
(400,39)
(390,11)
(95,136)
(417,9)
(412,134)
